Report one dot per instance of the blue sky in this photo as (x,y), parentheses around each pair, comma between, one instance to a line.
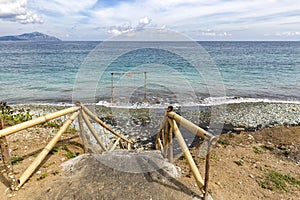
(198,19)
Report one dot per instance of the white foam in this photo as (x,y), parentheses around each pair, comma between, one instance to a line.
(210,101)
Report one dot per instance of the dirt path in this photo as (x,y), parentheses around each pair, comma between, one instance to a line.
(241,165)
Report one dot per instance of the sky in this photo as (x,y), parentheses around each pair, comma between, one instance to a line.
(198,19)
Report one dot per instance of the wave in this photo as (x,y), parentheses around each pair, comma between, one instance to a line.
(206,102)
(210,101)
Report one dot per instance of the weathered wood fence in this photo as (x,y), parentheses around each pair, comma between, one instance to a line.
(81,113)
(164,141)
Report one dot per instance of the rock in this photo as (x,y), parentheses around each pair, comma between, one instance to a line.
(218,183)
(172,170)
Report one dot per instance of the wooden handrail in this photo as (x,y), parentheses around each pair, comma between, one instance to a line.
(189,125)
(36,121)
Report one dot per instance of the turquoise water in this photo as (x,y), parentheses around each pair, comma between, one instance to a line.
(47,72)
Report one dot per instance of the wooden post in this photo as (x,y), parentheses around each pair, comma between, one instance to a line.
(187,154)
(163,139)
(95,118)
(36,121)
(115,144)
(129,146)
(161,148)
(167,139)
(6,159)
(90,126)
(121,144)
(170,135)
(207,166)
(160,133)
(157,145)
(189,125)
(82,132)
(38,160)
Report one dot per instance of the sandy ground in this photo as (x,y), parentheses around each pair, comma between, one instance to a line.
(239,164)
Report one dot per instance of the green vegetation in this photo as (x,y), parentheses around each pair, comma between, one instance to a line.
(43,175)
(72,129)
(52,124)
(257,151)
(287,152)
(213,157)
(223,142)
(11,116)
(265,147)
(239,163)
(54,150)
(16,159)
(275,181)
(71,155)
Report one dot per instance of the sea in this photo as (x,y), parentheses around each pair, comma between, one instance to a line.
(149,74)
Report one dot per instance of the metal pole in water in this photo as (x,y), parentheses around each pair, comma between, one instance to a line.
(112,87)
(145,88)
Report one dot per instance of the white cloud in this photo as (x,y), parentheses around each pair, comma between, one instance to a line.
(189,16)
(207,14)
(284,34)
(17,11)
(65,7)
(209,34)
(234,18)
(127,27)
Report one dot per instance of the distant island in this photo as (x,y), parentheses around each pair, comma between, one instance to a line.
(32,37)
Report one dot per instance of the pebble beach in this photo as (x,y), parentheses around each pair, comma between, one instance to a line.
(143,123)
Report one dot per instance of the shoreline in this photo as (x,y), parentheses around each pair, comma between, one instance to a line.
(251,116)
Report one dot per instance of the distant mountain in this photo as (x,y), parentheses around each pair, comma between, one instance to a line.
(32,37)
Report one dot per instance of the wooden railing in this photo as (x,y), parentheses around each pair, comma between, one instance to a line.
(164,142)
(81,113)
(84,115)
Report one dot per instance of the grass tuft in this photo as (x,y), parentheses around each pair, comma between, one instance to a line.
(275,181)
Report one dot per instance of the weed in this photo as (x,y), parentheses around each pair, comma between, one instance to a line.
(13,116)
(276,181)
(64,147)
(70,155)
(265,147)
(16,159)
(239,163)
(54,150)
(223,142)
(43,175)
(51,124)
(257,151)
(72,129)
(287,153)
(213,157)
(181,157)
